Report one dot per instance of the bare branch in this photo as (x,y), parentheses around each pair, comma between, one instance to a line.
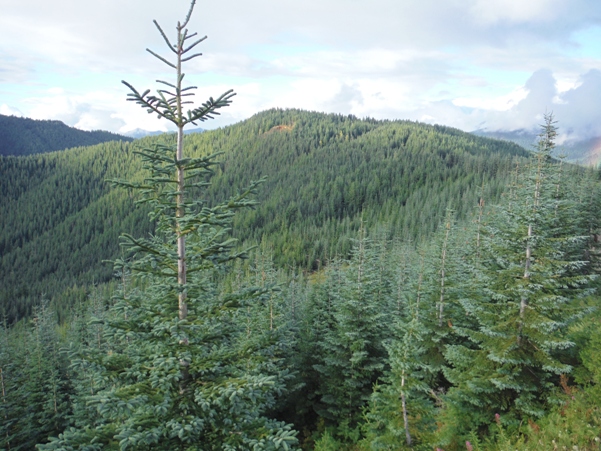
(161,58)
(168,84)
(191,57)
(171,46)
(195,44)
(187,16)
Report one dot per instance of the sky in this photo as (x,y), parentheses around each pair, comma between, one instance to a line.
(470,64)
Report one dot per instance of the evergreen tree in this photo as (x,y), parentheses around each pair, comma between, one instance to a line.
(351,351)
(35,387)
(173,374)
(523,295)
(401,410)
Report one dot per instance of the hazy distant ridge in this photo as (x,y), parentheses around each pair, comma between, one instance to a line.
(577,151)
(139,133)
(24,136)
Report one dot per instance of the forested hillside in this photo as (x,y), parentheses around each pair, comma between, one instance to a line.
(60,221)
(61,218)
(298,281)
(480,334)
(24,136)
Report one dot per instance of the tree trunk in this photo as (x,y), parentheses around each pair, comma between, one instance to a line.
(442,272)
(405,417)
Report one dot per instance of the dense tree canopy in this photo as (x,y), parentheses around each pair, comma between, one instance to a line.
(24,136)
(61,219)
(481,326)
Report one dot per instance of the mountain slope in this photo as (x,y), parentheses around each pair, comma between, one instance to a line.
(587,152)
(139,133)
(324,172)
(23,136)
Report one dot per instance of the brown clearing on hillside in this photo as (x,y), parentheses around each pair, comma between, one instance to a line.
(281,128)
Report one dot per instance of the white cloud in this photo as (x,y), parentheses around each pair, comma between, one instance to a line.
(577,108)
(90,111)
(112,34)
(9,111)
(497,103)
(452,61)
(491,12)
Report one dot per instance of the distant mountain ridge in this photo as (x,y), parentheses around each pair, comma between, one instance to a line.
(24,136)
(138,133)
(587,152)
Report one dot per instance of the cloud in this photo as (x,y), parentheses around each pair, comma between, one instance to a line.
(580,107)
(576,109)
(528,112)
(9,111)
(15,69)
(345,99)
(86,112)
(112,34)
(459,62)
(517,11)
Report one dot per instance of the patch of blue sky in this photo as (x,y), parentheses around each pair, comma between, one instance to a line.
(47,77)
(472,77)
(588,43)
(283,45)
(14,93)
(214,78)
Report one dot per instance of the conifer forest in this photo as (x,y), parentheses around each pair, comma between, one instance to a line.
(295,281)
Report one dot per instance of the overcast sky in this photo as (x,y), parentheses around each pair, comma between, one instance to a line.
(471,64)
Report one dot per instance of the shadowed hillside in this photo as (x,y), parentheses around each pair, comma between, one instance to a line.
(23,136)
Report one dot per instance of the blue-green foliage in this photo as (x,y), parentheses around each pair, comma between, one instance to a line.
(527,281)
(349,327)
(168,383)
(35,386)
(401,408)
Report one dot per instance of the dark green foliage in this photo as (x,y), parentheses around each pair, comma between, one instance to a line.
(35,383)
(524,293)
(22,136)
(177,371)
(323,171)
(401,414)
(401,409)
(60,219)
(347,326)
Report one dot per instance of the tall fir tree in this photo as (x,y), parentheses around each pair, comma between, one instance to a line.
(522,296)
(174,374)
(351,352)
(401,409)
